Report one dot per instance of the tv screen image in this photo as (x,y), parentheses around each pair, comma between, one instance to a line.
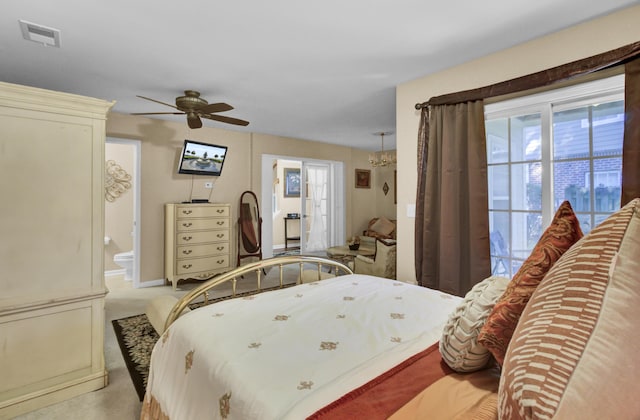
(201,158)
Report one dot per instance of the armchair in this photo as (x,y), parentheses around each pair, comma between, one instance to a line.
(383,264)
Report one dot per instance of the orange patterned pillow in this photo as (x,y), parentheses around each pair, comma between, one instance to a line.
(561,234)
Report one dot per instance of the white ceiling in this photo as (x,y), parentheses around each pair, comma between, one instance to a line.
(323,70)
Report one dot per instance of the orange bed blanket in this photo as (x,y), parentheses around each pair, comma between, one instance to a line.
(384,395)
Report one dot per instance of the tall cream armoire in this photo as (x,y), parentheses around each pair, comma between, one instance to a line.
(51,247)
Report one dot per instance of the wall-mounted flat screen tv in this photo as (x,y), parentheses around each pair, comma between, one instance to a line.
(201,158)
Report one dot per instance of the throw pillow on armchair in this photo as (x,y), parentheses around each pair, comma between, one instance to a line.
(381,227)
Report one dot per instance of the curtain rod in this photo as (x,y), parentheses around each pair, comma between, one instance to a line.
(542,78)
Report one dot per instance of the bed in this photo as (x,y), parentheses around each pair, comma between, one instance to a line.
(291,353)
(553,342)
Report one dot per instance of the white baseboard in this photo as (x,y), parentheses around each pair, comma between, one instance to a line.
(111,273)
(152,283)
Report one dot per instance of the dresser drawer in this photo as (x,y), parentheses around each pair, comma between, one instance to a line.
(185,238)
(191,251)
(186,225)
(188,212)
(196,265)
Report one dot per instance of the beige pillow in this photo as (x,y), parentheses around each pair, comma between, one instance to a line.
(574,353)
(459,343)
(383,226)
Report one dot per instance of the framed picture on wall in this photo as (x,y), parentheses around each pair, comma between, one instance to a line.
(363,178)
(291,182)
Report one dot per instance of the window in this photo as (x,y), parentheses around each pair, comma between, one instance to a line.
(546,148)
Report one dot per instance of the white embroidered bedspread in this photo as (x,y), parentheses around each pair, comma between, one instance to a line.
(287,353)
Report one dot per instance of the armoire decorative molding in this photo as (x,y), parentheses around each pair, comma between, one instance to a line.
(51,247)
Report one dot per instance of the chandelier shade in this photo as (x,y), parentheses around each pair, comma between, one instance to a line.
(382,158)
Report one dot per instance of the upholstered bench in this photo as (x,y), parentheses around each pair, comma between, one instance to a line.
(158,310)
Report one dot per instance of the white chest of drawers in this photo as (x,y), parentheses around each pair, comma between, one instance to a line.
(197,241)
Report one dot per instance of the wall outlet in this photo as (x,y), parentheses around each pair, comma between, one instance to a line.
(208,184)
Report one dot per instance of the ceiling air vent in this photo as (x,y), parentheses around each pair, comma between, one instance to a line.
(41,34)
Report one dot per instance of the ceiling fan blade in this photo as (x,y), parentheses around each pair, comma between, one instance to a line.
(156,101)
(219,107)
(194,121)
(157,113)
(228,120)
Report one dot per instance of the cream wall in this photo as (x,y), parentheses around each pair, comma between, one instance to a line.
(581,41)
(161,143)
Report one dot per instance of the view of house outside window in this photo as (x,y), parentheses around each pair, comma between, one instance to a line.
(545,149)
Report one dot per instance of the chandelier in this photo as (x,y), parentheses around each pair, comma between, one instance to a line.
(382,158)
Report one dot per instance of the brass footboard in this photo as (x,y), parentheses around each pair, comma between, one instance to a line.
(201,292)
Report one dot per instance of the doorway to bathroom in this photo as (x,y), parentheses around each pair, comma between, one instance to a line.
(122,209)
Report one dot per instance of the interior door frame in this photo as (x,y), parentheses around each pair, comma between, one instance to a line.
(338,209)
(135,189)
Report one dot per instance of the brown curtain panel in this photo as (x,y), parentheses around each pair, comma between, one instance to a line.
(451,230)
(631,145)
(452,227)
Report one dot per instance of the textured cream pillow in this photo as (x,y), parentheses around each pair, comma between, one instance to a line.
(574,353)
(459,343)
(383,226)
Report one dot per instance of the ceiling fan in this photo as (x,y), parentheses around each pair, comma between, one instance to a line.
(195,108)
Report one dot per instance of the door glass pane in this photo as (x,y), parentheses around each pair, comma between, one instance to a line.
(608,128)
(498,186)
(571,134)
(497,140)
(499,241)
(569,184)
(526,186)
(526,229)
(525,138)
(606,176)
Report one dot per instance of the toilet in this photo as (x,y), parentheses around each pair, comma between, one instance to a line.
(125,260)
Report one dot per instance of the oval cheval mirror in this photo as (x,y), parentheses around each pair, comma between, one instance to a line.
(249,227)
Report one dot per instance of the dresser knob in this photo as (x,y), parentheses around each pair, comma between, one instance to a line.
(187,238)
(187,211)
(220,235)
(220,223)
(220,261)
(186,266)
(186,251)
(220,211)
(187,224)
(220,248)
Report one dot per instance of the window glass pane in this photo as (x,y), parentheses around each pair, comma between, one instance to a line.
(525,138)
(498,186)
(497,140)
(571,134)
(526,186)
(599,218)
(526,229)
(569,184)
(499,240)
(607,186)
(525,232)
(585,222)
(608,128)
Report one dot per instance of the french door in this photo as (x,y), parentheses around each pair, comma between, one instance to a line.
(322,209)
